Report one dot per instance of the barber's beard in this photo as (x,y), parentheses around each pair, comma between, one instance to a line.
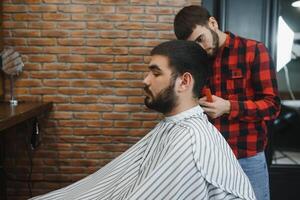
(164,102)
(215,43)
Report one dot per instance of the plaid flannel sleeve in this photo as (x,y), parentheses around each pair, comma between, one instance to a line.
(266,103)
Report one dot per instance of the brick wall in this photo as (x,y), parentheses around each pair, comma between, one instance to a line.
(88,57)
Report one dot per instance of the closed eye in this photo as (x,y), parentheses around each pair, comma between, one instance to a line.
(199,39)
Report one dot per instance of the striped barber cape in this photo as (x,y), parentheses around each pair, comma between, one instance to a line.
(183,157)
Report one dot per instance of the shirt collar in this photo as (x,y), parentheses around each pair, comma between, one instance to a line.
(229,42)
(185,114)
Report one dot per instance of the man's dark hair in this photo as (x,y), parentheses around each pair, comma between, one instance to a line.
(186,56)
(187,19)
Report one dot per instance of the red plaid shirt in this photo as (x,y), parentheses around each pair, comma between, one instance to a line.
(243,73)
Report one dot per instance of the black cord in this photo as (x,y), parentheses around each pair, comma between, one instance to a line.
(28,145)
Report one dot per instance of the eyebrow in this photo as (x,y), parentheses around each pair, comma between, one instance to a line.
(154,67)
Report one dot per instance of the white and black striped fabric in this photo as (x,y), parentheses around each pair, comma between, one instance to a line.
(183,157)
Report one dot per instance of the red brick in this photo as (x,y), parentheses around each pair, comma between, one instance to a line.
(41,42)
(99,107)
(99,59)
(72,123)
(113,67)
(71,42)
(42,8)
(130,26)
(54,66)
(57,50)
(56,17)
(71,58)
(84,67)
(98,91)
(129,43)
(14,41)
(114,34)
(167,35)
(115,2)
(86,132)
(101,9)
(114,50)
(143,2)
(100,75)
(55,33)
(84,99)
(143,18)
(58,99)
(57,1)
(128,92)
(43,90)
(159,11)
(84,34)
(85,17)
(144,116)
(59,115)
(143,34)
(28,83)
(44,58)
(99,25)
(87,115)
(128,59)
(100,124)
(84,50)
(71,75)
(149,124)
(85,83)
(100,42)
(128,75)
(43,75)
(71,91)
(127,108)
(130,9)
(111,99)
(115,116)
(42,25)
(72,8)
(13,25)
(114,17)
(135,100)
(158,26)
(85,1)
(27,17)
(127,124)
(29,50)
(13,8)
(139,51)
(71,25)
(56,83)
(32,67)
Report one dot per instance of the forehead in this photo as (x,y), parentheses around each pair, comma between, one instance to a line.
(159,62)
(199,30)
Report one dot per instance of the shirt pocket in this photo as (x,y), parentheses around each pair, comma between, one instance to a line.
(236,84)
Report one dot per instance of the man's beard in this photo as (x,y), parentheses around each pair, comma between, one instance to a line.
(165,100)
(215,43)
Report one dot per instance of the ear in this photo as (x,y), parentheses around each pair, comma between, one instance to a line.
(213,24)
(186,82)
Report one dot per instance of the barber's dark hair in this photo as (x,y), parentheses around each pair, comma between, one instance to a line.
(187,18)
(186,56)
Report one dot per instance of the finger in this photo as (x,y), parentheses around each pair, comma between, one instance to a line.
(202,98)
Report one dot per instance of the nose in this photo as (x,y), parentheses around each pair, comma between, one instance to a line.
(146,79)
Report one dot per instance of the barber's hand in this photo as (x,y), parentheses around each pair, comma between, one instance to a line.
(216,108)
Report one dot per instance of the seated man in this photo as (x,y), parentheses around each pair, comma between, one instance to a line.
(184,156)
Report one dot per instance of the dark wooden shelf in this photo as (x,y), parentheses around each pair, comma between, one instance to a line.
(12,115)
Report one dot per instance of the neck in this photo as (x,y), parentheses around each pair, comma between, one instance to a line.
(222,38)
(183,106)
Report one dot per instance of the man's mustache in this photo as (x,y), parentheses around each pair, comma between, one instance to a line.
(147,90)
